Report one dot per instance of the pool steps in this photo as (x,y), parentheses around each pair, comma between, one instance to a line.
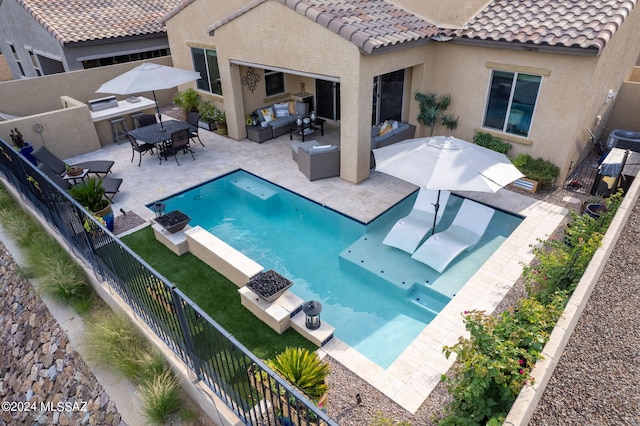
(280,315)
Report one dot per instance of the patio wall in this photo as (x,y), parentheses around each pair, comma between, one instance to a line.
(624,114)
(58,103)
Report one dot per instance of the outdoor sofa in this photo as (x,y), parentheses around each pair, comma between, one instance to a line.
(281,115)
(391,132)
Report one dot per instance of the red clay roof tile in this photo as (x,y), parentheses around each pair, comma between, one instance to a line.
(585,24)
(82,20)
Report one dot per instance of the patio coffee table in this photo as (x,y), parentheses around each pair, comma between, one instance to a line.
(306,129)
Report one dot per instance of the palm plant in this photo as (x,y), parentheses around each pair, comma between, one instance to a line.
(303,369)
(90,194)
(432,108)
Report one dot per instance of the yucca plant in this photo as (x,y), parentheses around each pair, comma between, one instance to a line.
(303,369)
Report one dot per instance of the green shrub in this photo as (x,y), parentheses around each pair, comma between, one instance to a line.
(496,360)
(560,262)
(537,169)
(187,100)
(491,142)
(114,340)
(379,419)
(160,396)
(65,281)
(303,369)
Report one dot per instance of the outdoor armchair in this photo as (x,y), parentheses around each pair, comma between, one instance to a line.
(179,142)
(193,118)
(141,148)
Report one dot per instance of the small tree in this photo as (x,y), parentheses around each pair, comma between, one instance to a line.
(432,108)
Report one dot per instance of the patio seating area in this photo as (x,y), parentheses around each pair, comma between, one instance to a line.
(410,379)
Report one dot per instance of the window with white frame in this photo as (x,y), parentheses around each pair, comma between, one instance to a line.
(512,101)
(205,62)
(274,82)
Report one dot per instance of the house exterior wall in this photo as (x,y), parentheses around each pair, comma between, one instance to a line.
(25,32)
(571,98)
(21,29)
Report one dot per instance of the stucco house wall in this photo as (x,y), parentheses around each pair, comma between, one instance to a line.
(19,27)
(571,99)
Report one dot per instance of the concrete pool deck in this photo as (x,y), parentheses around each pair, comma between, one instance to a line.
(410,379)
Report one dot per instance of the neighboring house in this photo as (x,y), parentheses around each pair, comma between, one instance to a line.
(537,73)
(41,37)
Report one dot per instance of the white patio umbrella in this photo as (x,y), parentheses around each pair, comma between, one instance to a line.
(148,77)
(446,163)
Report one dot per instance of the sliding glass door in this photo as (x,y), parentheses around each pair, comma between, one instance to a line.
(388,97)
(328,100)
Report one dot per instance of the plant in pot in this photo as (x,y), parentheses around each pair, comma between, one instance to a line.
(594,206)
(188,101)
(221,121)
(25,148)
(207,115)
(90,194)
(540,170)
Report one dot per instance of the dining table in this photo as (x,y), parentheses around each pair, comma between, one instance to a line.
(160,132)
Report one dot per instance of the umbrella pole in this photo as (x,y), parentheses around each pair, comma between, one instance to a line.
(435,218)
(158,109)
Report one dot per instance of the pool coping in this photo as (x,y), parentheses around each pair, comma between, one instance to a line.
(416,372)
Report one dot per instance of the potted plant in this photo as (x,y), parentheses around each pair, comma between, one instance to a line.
(221,121)
(187,100)
(90,194)
(595,206)
(25,148)
(207,115)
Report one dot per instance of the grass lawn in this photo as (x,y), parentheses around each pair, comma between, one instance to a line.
(214,294)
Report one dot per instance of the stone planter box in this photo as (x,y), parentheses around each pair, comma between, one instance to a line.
(173,221)
(269,285)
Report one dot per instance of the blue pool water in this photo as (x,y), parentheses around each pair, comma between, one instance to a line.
(377,297)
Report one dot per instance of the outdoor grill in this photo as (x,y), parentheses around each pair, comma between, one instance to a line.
(103,103)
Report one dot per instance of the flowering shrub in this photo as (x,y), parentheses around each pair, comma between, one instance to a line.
(560,263)
(496,360)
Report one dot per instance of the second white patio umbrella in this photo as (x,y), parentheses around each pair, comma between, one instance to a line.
(148,77)
(446,163)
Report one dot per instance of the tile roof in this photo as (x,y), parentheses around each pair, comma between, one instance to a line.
(369,24)
(83,20)
(582,24)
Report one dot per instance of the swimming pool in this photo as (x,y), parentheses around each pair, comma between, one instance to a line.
(377,297)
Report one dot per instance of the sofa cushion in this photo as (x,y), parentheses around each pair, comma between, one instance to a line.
(267,114)
(302,109)
(282,110)
(319,149)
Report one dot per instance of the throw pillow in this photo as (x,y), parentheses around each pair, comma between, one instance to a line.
(267,113)
(384,128)
(292,107)
(282,110)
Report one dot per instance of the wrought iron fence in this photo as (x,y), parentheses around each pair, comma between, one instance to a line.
(256,394)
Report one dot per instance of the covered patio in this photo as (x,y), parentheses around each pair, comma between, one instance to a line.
(411,378)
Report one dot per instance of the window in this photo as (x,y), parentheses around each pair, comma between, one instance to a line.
(17,59)
(512,100)
(35,63)
(274,82)
(206,63)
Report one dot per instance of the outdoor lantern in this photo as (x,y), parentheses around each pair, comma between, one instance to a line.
(312,311)
(158,208)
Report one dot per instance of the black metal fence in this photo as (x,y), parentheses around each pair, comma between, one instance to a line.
(247,386)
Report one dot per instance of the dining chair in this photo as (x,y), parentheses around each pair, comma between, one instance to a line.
(192,118)
(141,148)
(145,120)
(179,142)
